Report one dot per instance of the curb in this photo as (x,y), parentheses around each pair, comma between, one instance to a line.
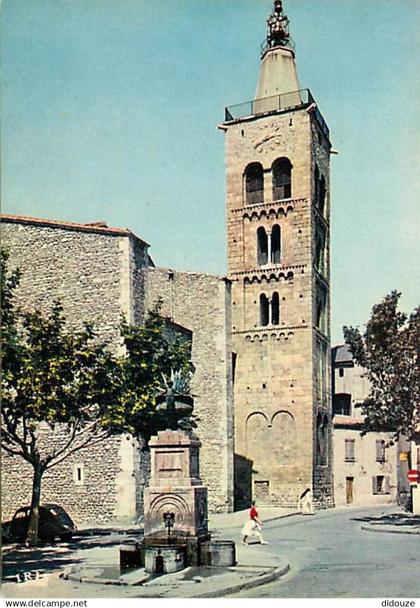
(384,531)
(257,581)
(283,516)
(69,576)
(229,527)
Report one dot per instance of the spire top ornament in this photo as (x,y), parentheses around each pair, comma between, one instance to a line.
(277,28)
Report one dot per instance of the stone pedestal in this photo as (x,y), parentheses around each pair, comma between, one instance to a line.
(175,486)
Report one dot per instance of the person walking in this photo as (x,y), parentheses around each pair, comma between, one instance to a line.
(252,526)
(305,501)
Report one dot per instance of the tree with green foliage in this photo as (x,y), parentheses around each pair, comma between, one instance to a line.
(150,360)
(388,351)
(58,380)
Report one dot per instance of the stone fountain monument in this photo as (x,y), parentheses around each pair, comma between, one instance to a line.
(175,501)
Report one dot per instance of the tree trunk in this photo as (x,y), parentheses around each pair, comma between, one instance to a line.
(32,535)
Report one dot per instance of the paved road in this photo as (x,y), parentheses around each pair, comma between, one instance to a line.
(331,556)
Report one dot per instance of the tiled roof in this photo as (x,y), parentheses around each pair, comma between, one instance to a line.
(96,227)
(340,420)
(341,354)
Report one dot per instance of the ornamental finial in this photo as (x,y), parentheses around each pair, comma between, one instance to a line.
(278,27)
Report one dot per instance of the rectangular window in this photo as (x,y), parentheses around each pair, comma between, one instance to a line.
(349,450)
(341,372)
(380,450)
(380,484)
(342,404)
(79,474)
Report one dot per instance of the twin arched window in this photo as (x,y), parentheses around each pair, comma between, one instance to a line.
(269,309)
(268,246)
(281,171)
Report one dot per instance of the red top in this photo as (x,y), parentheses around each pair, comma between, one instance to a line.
(253,513)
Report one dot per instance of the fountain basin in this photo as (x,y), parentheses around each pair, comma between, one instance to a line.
(131,555)
(218,553)
(164,559)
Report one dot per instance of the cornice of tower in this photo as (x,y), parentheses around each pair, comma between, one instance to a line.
(263,334)
(269,273)
(275,209)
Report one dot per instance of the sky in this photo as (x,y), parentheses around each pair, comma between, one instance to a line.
(110,111)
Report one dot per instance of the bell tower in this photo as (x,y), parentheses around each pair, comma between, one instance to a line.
(278,209)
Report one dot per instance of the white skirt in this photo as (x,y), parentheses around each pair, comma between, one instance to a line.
(250,527)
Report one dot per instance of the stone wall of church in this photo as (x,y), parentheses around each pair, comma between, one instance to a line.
(89,501)
(89,271)
(92,271)
(202,304)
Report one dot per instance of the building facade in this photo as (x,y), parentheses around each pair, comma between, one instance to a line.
(99,273)
(278,209)
(365,466)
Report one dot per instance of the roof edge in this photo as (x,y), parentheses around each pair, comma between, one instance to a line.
(92,227)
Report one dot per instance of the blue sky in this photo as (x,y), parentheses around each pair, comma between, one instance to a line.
(110,111)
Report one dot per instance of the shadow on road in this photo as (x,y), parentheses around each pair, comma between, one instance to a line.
(55,557)
(392,519)
(40,559)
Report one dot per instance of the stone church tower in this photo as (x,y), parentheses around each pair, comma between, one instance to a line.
(278,210)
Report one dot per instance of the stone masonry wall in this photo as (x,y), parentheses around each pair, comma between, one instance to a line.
(201,303)
(91,271)
(275,408)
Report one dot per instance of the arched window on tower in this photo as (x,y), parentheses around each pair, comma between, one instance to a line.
(254,184)
(275,309)
(319,308)
(320,312)
(282,179)
(275,244)
(316,186)
(264,310)
(262,246)
(322,193)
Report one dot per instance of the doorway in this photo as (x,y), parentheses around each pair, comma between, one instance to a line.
(349,490)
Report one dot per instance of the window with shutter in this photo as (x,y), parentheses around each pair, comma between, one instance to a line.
(282,179)
(349,450)
(254,184)
(380,485)
(380,450)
